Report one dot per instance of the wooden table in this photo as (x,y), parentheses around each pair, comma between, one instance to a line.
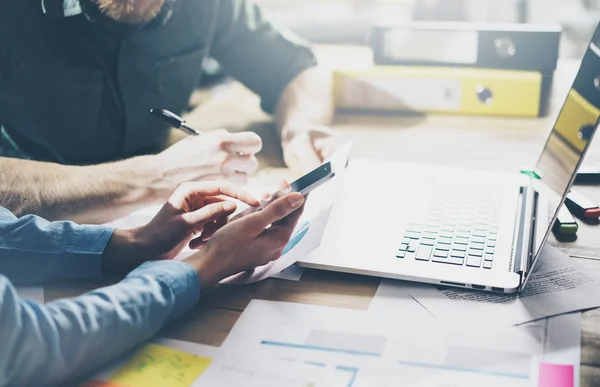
(503,144)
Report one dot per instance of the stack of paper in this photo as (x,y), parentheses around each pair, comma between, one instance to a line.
(173,363)
(413,352)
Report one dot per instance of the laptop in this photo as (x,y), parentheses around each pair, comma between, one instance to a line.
(465,228)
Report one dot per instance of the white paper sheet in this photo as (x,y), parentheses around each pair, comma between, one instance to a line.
(33,293)
(558,285)
(216,368)
(415,352)
(393,301)
(563,345)
(292,273)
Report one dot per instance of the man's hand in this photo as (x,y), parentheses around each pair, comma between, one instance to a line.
(305,147)
(219,155)
(194,208)
(249,242)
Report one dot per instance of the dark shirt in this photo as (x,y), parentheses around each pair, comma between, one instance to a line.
(76,89)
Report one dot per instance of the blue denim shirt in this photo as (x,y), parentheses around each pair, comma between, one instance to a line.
(66,339)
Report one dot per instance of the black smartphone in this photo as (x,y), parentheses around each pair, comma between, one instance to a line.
(304,185)
(313,179)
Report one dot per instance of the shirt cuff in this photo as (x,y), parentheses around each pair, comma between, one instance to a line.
(294,65)
(179,277)
(82,257)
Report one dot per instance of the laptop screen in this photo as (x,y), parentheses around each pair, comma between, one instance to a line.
(573,130)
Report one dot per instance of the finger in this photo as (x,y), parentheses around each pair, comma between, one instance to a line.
(209,213)
(302,154)
(211,228)
(240,163)
(284,186)
(266,196)
(275,211)
(239,178)
(213,199)
(326,147)
(291,218)
(197,243)
(244,142)
(214,188)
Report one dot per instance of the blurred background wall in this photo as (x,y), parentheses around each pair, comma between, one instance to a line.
(348,21)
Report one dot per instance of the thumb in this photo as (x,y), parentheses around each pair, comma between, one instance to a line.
(209,213)
(302,154)
(274,212)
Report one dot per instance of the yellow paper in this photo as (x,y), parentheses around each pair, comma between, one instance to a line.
(155,365)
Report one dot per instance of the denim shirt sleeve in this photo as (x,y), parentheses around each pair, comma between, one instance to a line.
(33,250)
(68,339)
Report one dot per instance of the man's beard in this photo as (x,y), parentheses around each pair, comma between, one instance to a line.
(130,11)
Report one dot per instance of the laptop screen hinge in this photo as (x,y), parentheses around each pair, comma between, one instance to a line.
(524,227)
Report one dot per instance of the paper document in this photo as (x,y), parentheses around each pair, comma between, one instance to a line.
(393,301)
(413,352)
(558,285)
(33,293)
(174,363)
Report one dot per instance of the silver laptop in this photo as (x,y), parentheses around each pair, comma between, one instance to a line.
(457,227)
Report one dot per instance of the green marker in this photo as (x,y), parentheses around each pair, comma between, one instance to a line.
(565,223)
(535,173)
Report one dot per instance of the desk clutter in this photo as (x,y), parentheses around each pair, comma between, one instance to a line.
(578,206)
(460,68)
(411,335)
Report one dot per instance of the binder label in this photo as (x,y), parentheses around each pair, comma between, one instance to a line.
(459,47)
(403,93)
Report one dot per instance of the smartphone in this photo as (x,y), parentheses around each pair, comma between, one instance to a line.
(304,185)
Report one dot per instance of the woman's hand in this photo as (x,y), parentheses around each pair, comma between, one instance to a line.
(192,208)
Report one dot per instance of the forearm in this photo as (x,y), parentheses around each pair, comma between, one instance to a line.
(307,99)
(34,251)
(68,339)
(87,194)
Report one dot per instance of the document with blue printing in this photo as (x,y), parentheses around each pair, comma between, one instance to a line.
(415,352)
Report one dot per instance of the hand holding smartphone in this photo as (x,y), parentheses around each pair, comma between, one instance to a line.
(304,185)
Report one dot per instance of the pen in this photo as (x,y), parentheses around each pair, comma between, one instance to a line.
(175,121)
(565,223)
(581,207)
(179,123)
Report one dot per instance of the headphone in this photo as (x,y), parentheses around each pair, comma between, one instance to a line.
(92,13)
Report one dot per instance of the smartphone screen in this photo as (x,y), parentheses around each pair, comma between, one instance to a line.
(304,185)
(313,179)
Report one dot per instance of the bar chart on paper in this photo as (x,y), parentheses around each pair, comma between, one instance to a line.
(381,354)
(173,363)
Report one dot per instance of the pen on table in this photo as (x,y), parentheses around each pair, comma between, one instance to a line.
(581,207)
(565,223)
(175,121)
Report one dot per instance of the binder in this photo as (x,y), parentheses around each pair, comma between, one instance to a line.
(509,46)
(440,90)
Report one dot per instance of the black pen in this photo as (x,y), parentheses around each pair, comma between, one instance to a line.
(178,123)
(175,121)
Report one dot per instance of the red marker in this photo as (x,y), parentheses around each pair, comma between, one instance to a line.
(581,207)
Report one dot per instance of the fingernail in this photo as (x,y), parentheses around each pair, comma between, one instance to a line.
(229,206)
(296,200)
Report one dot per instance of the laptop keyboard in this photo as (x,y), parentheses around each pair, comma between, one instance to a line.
(460,230)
